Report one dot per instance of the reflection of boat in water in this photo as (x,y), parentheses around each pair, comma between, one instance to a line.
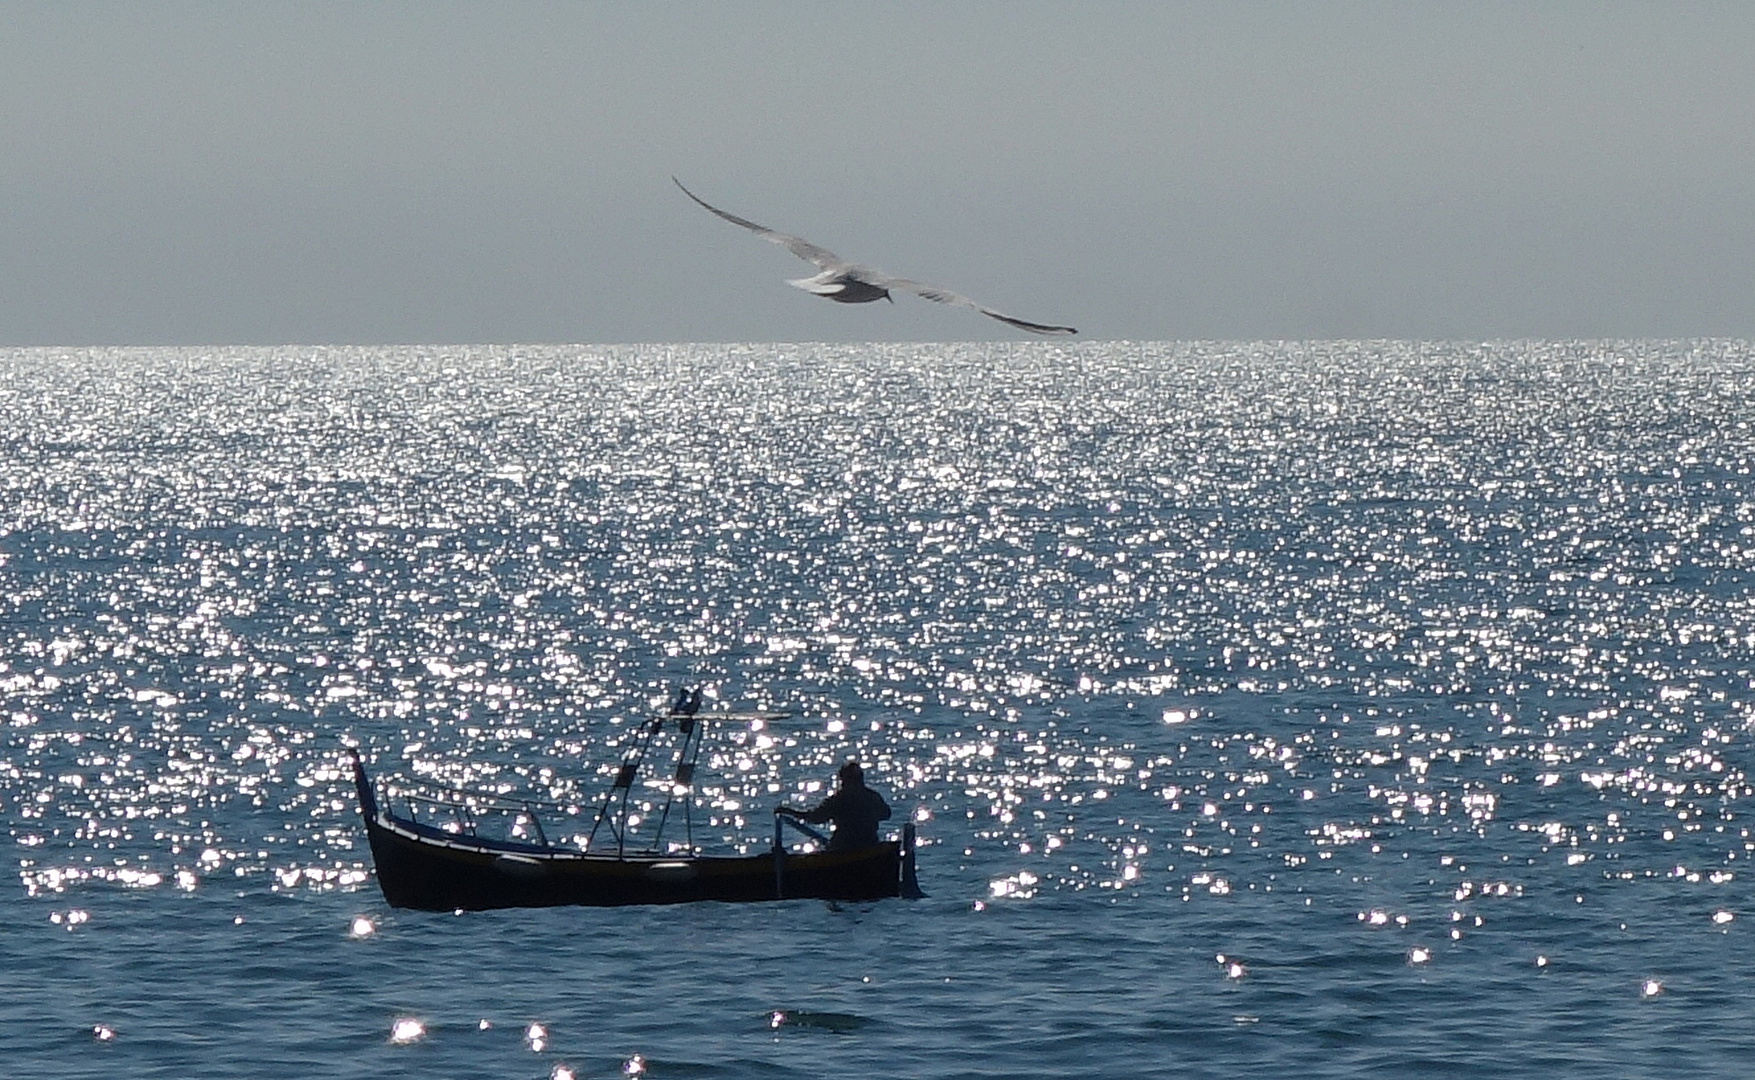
(455,866)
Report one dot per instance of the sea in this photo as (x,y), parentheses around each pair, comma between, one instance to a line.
(1333,709)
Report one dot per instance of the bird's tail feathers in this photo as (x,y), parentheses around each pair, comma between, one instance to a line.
(821,284)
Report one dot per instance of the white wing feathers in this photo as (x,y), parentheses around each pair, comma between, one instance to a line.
(836,272)
(804,249)
(946,296)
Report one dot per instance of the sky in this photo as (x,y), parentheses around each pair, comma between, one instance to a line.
(432,172)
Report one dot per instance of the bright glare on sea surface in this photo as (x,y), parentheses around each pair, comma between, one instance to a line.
(1332,710)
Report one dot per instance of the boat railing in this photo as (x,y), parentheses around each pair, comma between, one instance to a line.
(465,813)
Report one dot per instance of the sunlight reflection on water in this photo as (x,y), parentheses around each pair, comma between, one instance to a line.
(1325,656)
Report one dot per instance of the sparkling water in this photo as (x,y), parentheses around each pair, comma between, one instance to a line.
(1347,709)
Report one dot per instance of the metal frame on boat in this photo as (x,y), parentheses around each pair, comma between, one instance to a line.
(432,868)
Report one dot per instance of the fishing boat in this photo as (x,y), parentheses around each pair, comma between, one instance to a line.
(447,862)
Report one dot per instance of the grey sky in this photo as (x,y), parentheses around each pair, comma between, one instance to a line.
(385,172)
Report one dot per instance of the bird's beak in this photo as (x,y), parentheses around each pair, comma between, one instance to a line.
(888,297)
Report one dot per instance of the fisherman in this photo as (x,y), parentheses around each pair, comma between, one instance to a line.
(854,809)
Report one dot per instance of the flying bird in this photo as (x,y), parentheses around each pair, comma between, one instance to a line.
(850,283)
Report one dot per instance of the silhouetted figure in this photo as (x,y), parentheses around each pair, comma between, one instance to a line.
(854,809)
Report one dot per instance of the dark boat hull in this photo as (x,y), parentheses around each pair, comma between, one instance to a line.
(423,868)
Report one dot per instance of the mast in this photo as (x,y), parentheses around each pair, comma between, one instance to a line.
(691,729)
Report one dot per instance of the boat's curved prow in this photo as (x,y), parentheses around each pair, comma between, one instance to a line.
(368,801)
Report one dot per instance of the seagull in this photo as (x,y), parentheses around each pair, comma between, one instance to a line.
(850,283)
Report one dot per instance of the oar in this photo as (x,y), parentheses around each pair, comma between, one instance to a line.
(787,815)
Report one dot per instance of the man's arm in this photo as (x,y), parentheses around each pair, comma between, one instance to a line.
(821,813)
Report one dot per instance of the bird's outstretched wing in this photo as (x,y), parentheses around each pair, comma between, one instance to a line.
(804,249)
(837,271)
(945,296)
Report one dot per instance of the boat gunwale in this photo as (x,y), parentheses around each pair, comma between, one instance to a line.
(407,831)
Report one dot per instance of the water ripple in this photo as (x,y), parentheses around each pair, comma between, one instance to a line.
(1413,680)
